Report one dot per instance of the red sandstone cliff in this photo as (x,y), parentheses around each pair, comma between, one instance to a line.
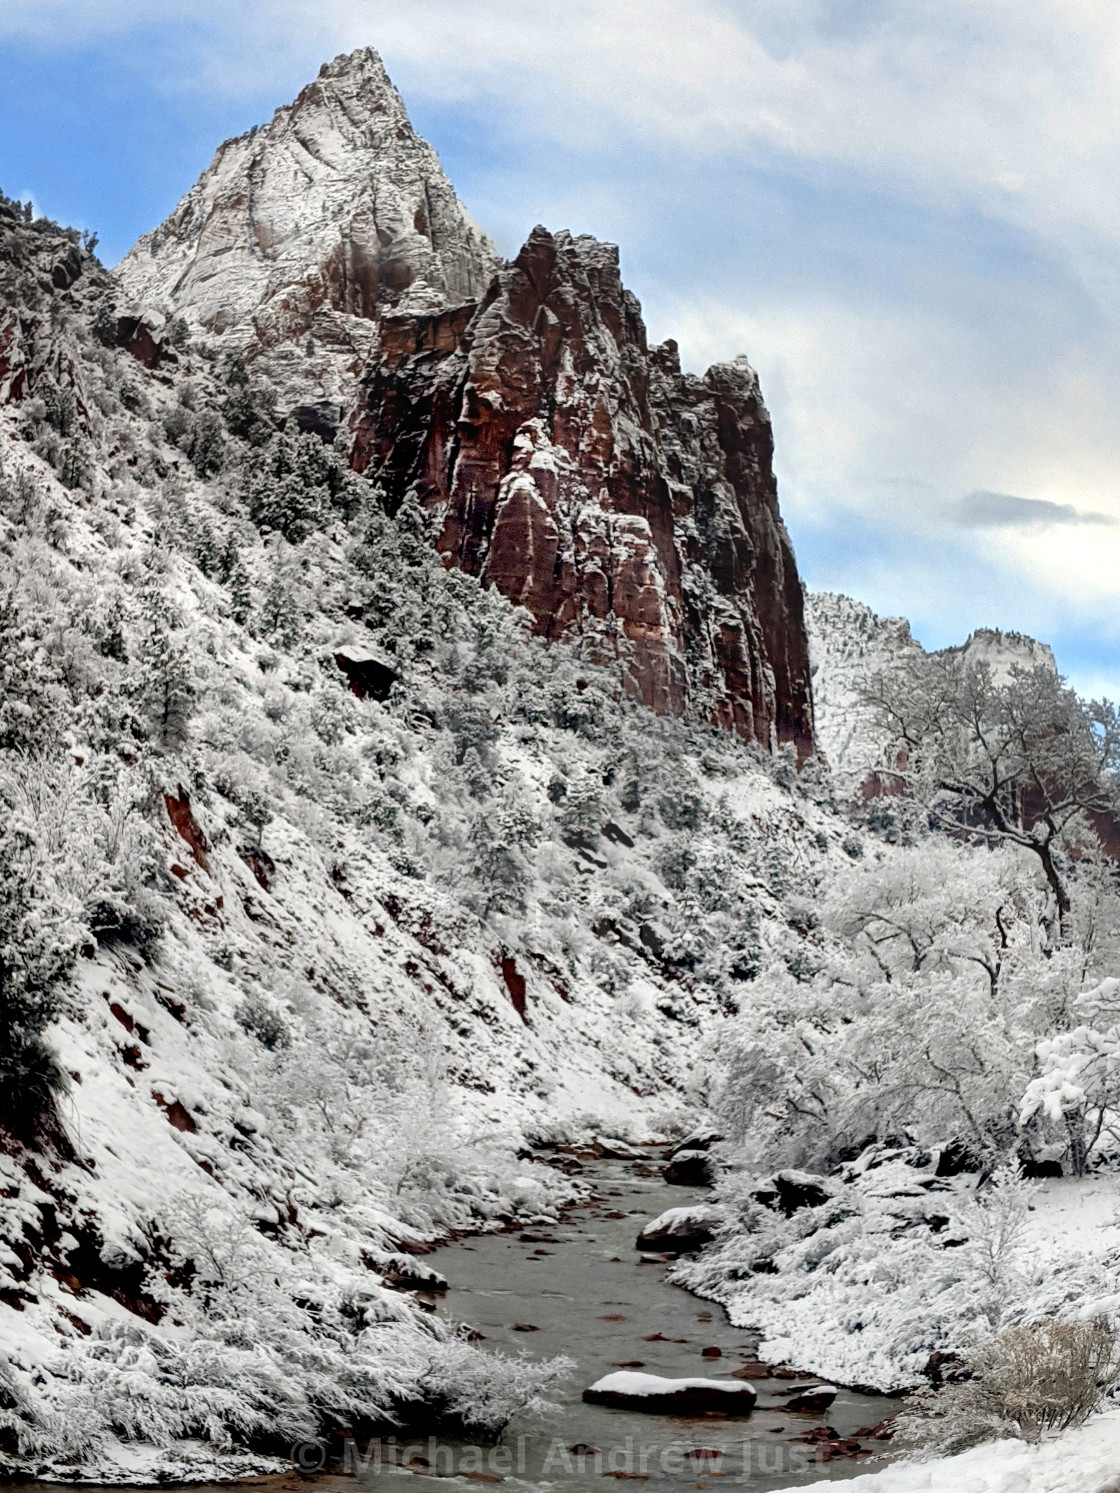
(617,499)
(569,464)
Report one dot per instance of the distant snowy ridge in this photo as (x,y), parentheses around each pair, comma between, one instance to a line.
(849,644)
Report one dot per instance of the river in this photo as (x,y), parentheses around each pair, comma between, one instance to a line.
(581,1285)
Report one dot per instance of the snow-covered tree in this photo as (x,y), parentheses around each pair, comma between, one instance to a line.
(916,1019)
(1078,1087)
(31,698)
(927,906)
(164,676)
(39,937)
(1019,758)
(291,484)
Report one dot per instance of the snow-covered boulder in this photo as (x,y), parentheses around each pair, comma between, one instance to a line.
(610,1148)
(813,1400)
(404,1273)
(699,1140)
(688,1169)
(679,1229)
(632,1391)
(789,1190)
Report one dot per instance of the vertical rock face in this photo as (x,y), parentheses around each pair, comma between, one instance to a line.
(570,465)
(44,268)
(617,499)
(315,224)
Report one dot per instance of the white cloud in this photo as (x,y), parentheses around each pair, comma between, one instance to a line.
(1013,103)
(1011,106)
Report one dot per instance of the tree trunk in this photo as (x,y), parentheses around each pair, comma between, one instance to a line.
(1078,1151)
(5,1012)
(1061,896)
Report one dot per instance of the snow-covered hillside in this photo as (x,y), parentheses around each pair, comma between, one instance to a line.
(337,958)
(333,898)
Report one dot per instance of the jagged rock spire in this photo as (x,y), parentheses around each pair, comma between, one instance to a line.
(315,223)
(569,465)
(622,502)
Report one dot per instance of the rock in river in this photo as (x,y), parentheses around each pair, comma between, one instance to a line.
(678,1230)
(814,1400)
(688,1169)
(629,1391)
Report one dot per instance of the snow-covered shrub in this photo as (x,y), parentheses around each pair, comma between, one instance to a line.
(1028,1382)
(1078,1088)
(261,1019)
(478,1394)
(995,1220)
(32,701)
(93,826)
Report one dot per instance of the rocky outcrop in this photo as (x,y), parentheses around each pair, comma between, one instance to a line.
(47,277)
(658,1396)
(622,502)
(313,226)
(788,1191)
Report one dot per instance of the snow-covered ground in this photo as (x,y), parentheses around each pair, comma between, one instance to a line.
(896,1265)
(1071,1234)
(1082,1461)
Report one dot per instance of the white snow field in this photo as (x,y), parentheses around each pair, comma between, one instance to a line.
(1081,1461)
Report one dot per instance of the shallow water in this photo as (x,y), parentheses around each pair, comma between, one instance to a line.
(583,1290)
(588,1297)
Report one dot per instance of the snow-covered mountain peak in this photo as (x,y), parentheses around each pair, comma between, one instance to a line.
(310,227)
(1003,651)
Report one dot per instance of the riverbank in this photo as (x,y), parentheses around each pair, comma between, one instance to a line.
(583,1289)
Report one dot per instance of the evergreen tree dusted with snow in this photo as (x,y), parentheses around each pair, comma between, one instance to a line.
(164,678)
(39,936)
(30,697)
(293,483)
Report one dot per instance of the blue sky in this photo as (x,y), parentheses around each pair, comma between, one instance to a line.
(904,211)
